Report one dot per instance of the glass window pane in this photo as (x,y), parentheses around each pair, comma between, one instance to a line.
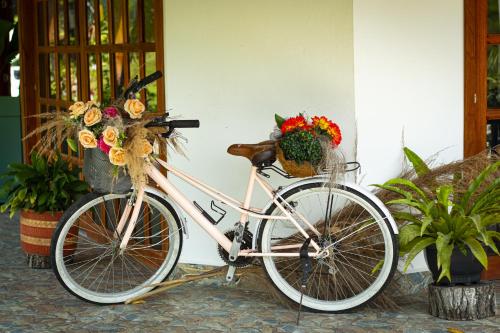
(91,24)
(60,21)
(106,78)
(133,60)
(52,76)
(72,19)
(151,89)
(73,63)
(62,77)
(493,76)
(51,22)
(493,16)
(149,19)
(103,21)
(41,20)
(132,21)
(118,21)
(43,70)
(120,73)
(93,88)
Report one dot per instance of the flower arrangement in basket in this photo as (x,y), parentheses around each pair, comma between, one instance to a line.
(306,147)
(117,143)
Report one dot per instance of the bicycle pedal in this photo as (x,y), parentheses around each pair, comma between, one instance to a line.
(230,273)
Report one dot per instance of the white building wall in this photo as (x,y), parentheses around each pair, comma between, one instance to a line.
(408,65)
(234,63)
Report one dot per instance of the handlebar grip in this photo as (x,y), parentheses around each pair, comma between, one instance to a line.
(148,79)
(184,123)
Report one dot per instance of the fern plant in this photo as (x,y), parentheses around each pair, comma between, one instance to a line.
(447,220)
(42,186)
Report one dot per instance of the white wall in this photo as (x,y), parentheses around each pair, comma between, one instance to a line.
(233,64)
(408,64)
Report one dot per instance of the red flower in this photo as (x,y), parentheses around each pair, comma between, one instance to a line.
(334,132)
(293,123)
(103,146)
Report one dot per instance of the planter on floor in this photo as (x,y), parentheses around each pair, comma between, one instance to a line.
(36,234)
(462,302)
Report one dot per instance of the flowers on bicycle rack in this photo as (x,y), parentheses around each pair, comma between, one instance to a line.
(307,146)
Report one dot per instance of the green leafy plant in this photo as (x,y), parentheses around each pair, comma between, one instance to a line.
(443,217)
(42,186)
(301,146)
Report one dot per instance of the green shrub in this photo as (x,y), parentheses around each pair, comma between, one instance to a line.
(301,146)
(43,186)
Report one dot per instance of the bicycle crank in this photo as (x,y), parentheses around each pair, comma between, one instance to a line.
(246,243)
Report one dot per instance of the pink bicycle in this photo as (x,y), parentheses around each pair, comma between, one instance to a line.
(328,247)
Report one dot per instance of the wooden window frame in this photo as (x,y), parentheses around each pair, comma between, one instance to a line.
(31,101)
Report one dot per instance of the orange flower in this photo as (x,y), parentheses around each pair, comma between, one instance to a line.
(293,123)
(325,126)
(322,122)
(334,132)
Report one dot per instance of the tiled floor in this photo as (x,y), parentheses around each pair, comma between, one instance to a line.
(33,301)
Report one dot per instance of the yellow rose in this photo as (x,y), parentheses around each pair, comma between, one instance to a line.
(92,116)
(110,136)
(77,109)
(146,148)
(134,107)
(91,104)
(87,139)
(117,156)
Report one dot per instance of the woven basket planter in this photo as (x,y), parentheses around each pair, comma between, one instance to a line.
(293,168)
(36,235)
(98,173)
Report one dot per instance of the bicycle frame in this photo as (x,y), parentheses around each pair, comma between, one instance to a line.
(243,207)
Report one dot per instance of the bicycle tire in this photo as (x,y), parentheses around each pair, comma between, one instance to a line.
(76,211)
(286,287)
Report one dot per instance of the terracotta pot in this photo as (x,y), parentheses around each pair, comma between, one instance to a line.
(36,233)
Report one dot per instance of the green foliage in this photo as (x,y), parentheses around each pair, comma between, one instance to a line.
(42,186)
(419,165)
(446,220)
(279,120)
(301,146)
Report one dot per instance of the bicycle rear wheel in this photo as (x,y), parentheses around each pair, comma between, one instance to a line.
(362,248)
(86,257)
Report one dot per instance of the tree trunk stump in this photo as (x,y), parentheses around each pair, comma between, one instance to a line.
(37,261)
(462,302)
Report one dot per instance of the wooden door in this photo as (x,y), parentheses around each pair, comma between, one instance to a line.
(80,50)
(482,85)
(87,50)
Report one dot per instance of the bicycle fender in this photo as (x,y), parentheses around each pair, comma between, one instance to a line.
(178,211)
(354,186)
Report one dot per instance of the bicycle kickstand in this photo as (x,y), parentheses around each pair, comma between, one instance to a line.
(305,261)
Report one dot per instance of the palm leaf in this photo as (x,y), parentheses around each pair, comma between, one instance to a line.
(477,251)
(418,164)
(416,249)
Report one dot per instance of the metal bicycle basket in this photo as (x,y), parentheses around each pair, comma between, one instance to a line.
(98,173)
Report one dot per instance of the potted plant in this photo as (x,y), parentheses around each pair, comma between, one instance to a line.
(451,226)
(41,190)
(303,144)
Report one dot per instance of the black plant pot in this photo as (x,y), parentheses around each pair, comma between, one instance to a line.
(464,269)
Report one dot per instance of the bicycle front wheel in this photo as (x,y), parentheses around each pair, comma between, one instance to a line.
(85,252)
(361,247)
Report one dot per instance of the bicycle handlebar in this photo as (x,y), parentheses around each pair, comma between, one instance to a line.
(172,124)
(136,86)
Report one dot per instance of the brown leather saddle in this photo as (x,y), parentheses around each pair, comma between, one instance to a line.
(260,154)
